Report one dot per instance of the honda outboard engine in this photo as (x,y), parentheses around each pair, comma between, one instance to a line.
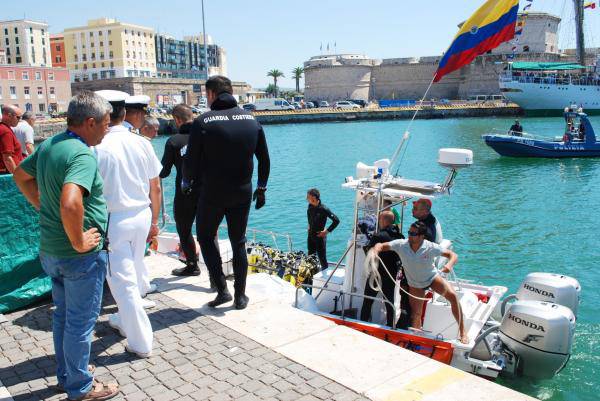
(550,287)
(540,335)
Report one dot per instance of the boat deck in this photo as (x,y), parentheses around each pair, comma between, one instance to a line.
(270,351)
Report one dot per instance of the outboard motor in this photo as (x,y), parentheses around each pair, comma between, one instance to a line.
(550,287)
(540,335)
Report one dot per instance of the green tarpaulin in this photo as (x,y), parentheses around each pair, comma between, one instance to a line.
(531,65)
(22,280)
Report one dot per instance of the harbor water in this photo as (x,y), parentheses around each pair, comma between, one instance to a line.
(507,217)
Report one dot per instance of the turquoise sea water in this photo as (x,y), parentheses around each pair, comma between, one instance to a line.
(507,217)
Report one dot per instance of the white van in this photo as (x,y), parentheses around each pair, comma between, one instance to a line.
(275,103)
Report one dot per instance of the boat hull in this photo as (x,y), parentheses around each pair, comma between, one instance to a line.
(550,99)
(524,147)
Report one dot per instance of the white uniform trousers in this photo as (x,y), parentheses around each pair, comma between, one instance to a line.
(127,234)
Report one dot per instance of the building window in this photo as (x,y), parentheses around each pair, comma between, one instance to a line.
(43,32)
(91,34)
(18,60)
(7,42)
(26,92)
(17,40)
(6,31)
(95,76)
(110,42)
(18,50)
(110,54)
(8,51)
(85,66)
(42,107)
(102,65)
(75,58)
(112,65)
(109,31)
(13,92)
(93,56)
(16,30)
(84,57)
(40,91)
(8,60)
(52,91)
(92,44)
(125,31)
(25,76)
(31,40)
(11,75)
(38,76)
(101,55)
(101,43)
(99,33)
(50,76)
(57,47)
(43,41)
(94,65)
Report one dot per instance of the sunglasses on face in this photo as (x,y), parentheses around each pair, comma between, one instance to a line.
(413,234)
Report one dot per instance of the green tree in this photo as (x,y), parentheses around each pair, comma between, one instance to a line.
(297,74)
(275,73)
(271,89)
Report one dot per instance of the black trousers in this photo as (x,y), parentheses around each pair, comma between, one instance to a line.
(319,246)
(387,286)
(184,210)
(209,217)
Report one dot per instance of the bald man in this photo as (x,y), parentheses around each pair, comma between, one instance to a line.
(388,231)
(10,148)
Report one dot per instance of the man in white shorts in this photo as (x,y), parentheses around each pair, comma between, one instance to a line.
(418,257)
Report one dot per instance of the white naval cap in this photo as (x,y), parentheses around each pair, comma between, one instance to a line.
(137,102)
(113,97)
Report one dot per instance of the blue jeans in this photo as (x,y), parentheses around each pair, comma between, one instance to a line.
(77,285)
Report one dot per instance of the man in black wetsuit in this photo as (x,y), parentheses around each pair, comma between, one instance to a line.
(388,231)
(317,214)
(422,212)
(516,129)
(219,164)
(184,206)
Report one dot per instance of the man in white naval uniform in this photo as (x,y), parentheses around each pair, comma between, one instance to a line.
(135,114)
(130,171)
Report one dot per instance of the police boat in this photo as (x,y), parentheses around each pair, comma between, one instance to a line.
(579,140)
(527,334)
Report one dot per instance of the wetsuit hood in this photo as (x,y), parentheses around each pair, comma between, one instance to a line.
(223,102)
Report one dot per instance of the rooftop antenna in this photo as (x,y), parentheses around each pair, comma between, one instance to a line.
(204,39)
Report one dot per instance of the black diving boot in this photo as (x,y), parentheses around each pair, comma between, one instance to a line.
(190,269)
(241,301)
(222,297)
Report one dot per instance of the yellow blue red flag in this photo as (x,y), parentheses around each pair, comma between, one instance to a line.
(492,24)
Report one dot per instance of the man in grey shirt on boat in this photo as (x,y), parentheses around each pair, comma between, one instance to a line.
(418,259)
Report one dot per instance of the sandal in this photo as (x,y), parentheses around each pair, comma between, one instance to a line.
(59,388)
(100,391)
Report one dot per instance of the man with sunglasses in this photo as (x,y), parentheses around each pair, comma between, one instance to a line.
(418,259)
(10,148)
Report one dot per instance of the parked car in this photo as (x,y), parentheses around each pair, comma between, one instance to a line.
(297,105)
(323,103)
(249,107)
(309,105)
(359,102)
(346,104)
(276,103)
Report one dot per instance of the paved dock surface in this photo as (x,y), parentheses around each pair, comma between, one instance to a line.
(269,351)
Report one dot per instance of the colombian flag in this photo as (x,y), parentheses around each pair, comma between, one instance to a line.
(492,24)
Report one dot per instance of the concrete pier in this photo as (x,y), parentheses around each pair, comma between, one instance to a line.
(270,351)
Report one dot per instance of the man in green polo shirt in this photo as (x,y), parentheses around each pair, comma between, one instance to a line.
(61,180)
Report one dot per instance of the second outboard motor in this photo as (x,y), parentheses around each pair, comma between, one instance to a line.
(550,287)
(540,334)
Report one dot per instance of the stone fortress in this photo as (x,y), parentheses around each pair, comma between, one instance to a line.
(352,76)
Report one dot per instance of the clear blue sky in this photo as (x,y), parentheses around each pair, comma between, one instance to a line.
(261,35)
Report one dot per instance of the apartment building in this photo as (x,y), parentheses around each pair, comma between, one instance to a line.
(107,48)
(186,59)
(26,42)
(57,51)
(41,90)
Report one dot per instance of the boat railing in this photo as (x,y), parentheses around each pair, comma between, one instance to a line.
(535,78)
(341,298)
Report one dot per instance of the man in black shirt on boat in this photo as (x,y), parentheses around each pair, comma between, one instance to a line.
(219,163)
(388,232)
(184,206)
(516,129)
(317,214)
(422,212)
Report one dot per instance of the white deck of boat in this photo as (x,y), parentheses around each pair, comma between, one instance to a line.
(369,366)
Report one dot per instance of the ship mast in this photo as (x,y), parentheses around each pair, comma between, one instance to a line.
(579,31)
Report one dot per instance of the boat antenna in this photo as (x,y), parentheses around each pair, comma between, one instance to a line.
(406,136)
(579,13)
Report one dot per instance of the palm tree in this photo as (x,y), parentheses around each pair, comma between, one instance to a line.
(275,73)
(297,74)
